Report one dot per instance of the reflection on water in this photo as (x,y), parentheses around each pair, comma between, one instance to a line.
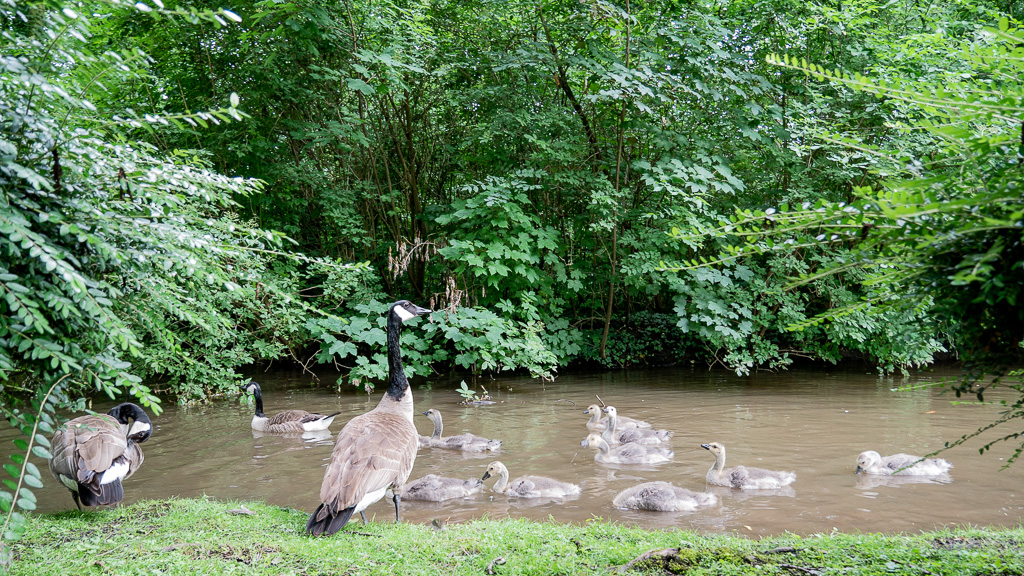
(813,423)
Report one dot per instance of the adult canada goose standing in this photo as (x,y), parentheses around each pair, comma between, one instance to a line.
(464,442)
(615,434)
(528,486)
(596,423)
(662,497)
(626,453)
(871,462)
(93,454)
(376,450)
(287,422)
(741,476)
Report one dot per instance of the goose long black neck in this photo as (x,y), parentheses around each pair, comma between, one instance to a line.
(397,382)
(259,403)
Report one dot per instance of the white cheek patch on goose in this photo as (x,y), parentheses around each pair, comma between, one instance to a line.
(139,427)
(404,314)
(115,472)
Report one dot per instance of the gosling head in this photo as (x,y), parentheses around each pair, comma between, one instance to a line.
(714,447)
(494,469)
(867,460)
(592,409)
(611,411)
(591,441)
(432,414)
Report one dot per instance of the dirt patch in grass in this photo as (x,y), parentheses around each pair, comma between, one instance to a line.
(958,543)
(244,554)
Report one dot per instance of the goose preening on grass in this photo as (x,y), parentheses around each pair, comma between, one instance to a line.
(528,486)
(741,476)
(615,434)
(464,442)
(871,462)
(287,422)
(93,454)
(597,424)
(376,450)
(438,488)
(662,497)
(626,453)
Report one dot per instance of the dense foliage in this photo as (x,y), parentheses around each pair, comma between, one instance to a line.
(528,159)
(187,190)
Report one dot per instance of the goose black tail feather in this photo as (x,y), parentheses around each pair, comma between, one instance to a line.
(322,522)
(101,494)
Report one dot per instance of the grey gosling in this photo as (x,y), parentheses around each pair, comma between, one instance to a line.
(598,424)
(615,434)
(626,453)
(464,442)
(662,497)
(528,486)
(741,476)
(871,462)
(436,488)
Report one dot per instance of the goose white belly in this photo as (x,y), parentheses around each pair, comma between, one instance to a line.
(370,498)
(114,473)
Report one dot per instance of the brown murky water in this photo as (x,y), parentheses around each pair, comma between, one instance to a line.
(813,423)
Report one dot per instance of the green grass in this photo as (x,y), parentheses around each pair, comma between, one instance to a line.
(200,536)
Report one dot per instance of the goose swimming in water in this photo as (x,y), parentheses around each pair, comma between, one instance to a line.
(528,486)
(597,424)
(436,488)
(615,434)
(376,450)
(741,476)
(626,453)
(92,455)
(287,422)
(464,442)
(871,462)
(662,497)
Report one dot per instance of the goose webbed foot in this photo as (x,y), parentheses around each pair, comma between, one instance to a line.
(363,516)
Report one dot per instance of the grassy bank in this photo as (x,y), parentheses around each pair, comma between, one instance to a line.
(215,537)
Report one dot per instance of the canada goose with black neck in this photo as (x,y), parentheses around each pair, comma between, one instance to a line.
(93,454)
(376,450)
(287,422)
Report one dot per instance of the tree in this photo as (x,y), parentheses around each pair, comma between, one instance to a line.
(92,223)
(943,233)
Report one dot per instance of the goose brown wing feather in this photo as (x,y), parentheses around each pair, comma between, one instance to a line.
(86,445)
(373,451)
(98,440)
(62,450)
(135,457)
(291,416)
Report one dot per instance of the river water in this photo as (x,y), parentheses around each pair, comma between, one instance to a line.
(811,422)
